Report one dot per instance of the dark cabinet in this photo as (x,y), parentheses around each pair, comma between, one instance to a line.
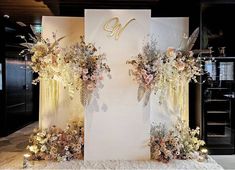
(19,98)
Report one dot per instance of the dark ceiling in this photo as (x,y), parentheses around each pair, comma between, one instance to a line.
(27,11)
(30,11)
(159,7)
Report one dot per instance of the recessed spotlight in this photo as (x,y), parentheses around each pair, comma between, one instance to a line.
(6,16)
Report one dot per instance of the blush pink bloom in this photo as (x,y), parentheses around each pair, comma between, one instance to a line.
(93,77)
(85,78)
(85,70)
(170,52)
(149,78)
(180,66)
(101,77)
(190,54)
(95,72)
(90,87)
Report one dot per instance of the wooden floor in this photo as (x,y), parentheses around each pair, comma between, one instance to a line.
(13,147)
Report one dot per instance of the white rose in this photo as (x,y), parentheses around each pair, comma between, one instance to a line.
(38,138)
(170,52)
(43,148)
(34,149)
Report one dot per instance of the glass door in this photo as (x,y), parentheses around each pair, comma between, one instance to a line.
(218,102)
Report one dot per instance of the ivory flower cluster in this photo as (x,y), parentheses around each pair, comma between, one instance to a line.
(72,66)
(45,57)
(189,138)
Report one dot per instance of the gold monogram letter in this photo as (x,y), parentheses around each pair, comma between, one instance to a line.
(114,27)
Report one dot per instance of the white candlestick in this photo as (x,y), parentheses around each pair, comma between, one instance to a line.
(26,163)
(204,153)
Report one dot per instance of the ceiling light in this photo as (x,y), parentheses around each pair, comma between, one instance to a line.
(21,24)
(6,16)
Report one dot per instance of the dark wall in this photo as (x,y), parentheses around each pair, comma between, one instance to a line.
(18,104)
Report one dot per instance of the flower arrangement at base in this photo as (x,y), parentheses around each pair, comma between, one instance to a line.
(45,57)
(87,67)
(189,138)
(156,71)
(57,144)
(164,144)
(180,142)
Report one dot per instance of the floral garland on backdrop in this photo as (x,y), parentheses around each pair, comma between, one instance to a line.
(77,67)
(87,67)
(45,58)
(154,70)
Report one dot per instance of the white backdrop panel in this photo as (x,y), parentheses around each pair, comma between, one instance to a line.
(169,32)
(117,125)
(56,107)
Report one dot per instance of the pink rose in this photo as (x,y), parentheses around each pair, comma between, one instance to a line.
(85,78)
(90,87)
(93,77)
(85,70)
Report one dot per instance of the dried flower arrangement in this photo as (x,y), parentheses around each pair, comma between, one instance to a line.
(154,70)
(45,58)
(164,144)
(189,138)
(146,70)
(57,144)
(180,142)
(77,67)
(87,67)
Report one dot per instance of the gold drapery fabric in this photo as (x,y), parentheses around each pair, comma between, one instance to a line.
(56,106)
(180,99)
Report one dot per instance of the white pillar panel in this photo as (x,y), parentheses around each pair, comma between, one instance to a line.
(169,32)
(117,126)
(56,107)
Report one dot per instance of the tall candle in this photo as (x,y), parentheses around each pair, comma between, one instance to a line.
(26,163)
